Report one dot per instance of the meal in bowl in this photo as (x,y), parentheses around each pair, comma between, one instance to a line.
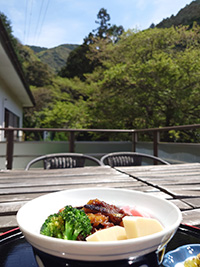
(33,214)
(99,221)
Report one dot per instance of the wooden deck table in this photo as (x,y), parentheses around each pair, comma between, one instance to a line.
(177,183)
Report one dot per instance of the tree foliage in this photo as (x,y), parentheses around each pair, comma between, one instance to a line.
(78,62)
(147,79)
(38,74)
(186,16)
(8,27)
(105,29)
(150,79)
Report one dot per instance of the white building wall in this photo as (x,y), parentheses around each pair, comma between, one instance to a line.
(7,100)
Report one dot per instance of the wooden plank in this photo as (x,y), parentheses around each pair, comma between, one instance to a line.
(10,200)
(57,172)
(181,204)
(157,194)
(66,180)
(192,217)
(180,180)
(194,202)
(173,186)
(57,187)
(157,168)
(179,177)
(18,197)
(24,196)
(163,174)
(10,208)
(7,223)
(184,192)
(164,177)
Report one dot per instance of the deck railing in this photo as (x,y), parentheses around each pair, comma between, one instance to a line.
(10,133)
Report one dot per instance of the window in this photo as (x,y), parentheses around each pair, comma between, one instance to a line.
(11,120)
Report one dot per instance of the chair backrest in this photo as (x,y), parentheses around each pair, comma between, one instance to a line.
(63,160)
(129,159)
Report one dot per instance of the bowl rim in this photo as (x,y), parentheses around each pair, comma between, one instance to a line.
(99,243)
(161,237)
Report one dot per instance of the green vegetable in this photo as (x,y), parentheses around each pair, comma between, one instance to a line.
(68,224)
(53,226)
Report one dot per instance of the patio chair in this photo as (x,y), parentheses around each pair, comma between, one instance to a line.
(64,160)
(130,159)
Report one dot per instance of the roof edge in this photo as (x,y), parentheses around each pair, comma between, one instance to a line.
(7,45)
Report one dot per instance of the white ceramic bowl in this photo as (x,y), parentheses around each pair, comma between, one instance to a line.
(32,215)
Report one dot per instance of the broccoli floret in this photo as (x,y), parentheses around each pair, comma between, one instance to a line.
(76,223)
(53,226)
(68,224)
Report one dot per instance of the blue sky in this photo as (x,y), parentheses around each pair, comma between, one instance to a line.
(49,23)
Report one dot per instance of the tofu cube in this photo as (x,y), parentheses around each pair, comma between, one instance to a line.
(140,226)
(113,233)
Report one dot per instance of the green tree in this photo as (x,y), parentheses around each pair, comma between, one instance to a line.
(8,27)
(63,115)
(62,104)
(103,18)
(38,74)
(78,62)
(105,29)
(150,79)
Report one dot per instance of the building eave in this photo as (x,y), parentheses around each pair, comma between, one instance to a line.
(11,71)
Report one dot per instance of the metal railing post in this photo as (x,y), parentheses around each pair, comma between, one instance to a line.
(134,141)
(9,149)
(156,139)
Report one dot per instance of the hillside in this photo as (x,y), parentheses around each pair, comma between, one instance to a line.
(186,16)
(54,57)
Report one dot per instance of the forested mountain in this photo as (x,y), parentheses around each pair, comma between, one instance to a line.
(55,57)
(186,16)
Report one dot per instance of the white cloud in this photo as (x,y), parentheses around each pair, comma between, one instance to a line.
(53,34)
(141,4)
(49,36)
